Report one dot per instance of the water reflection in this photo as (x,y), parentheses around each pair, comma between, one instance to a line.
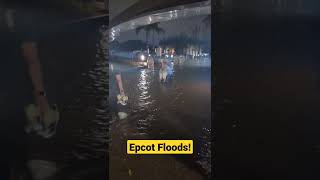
(143,86)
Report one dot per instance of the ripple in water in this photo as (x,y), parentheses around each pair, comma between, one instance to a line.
(93,141)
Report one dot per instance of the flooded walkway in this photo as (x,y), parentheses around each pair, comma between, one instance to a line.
(178,109)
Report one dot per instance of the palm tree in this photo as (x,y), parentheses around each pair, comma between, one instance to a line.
(159,32)
(154,28)
(179,42)
(195,33)
(146,30)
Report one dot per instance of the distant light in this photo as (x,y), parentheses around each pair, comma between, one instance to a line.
(175,13)
(171,14)
(142,57)
(171,55)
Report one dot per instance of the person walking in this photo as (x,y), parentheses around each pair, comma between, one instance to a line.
(151,63)
(163,70)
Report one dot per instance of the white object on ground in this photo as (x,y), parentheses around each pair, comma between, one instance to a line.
(122,115)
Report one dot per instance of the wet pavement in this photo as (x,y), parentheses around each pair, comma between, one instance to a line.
(177,109)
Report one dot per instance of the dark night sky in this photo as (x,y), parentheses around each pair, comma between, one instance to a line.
(173,27)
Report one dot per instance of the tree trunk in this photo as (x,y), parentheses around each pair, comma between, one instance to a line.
(147,39)
(153,38)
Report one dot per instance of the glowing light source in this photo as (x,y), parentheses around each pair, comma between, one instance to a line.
(142,57)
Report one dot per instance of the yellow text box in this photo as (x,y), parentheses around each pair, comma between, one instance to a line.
(159,146)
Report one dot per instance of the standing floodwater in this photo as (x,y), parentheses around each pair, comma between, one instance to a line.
(177,109)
